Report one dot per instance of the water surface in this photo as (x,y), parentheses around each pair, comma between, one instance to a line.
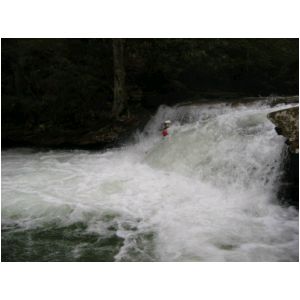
(207,194)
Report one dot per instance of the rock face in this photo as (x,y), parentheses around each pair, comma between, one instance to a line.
(287,124)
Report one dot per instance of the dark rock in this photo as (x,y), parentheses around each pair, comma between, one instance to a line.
(287,125)
(288,190)
(278,130)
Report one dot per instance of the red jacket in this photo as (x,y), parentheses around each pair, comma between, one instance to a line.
(165,132)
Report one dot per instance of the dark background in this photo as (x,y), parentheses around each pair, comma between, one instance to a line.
(55,90)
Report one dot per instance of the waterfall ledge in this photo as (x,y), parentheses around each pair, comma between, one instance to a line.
(287,124)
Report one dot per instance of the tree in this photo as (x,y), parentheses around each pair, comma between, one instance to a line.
(119,102)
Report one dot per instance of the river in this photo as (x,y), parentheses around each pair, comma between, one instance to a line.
(209,193)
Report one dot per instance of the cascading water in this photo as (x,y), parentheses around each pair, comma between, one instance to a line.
(206,194)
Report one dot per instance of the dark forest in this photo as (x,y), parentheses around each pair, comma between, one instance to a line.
(62,92)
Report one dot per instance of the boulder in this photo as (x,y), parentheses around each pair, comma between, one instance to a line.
(287,124)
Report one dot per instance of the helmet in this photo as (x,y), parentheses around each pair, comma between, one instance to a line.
(168,122)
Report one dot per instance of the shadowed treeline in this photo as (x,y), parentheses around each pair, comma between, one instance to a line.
(60,87)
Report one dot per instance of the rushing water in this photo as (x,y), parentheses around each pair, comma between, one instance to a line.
(207,194)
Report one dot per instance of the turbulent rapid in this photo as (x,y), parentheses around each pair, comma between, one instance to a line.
(209,193)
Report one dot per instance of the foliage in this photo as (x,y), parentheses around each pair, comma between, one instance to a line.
(68,83)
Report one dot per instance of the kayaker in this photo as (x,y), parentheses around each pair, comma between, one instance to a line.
(166,126)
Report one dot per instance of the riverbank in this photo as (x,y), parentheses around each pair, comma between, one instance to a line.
(101,133)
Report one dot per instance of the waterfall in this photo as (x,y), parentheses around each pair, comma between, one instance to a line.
(206,194)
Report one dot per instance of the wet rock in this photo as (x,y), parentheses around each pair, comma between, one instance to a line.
(287,125)
(288,189)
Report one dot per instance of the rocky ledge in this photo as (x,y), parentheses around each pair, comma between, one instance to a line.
(287,125)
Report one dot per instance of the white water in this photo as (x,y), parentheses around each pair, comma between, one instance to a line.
(208,194)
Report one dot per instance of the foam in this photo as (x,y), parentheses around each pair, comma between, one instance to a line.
(208,194)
